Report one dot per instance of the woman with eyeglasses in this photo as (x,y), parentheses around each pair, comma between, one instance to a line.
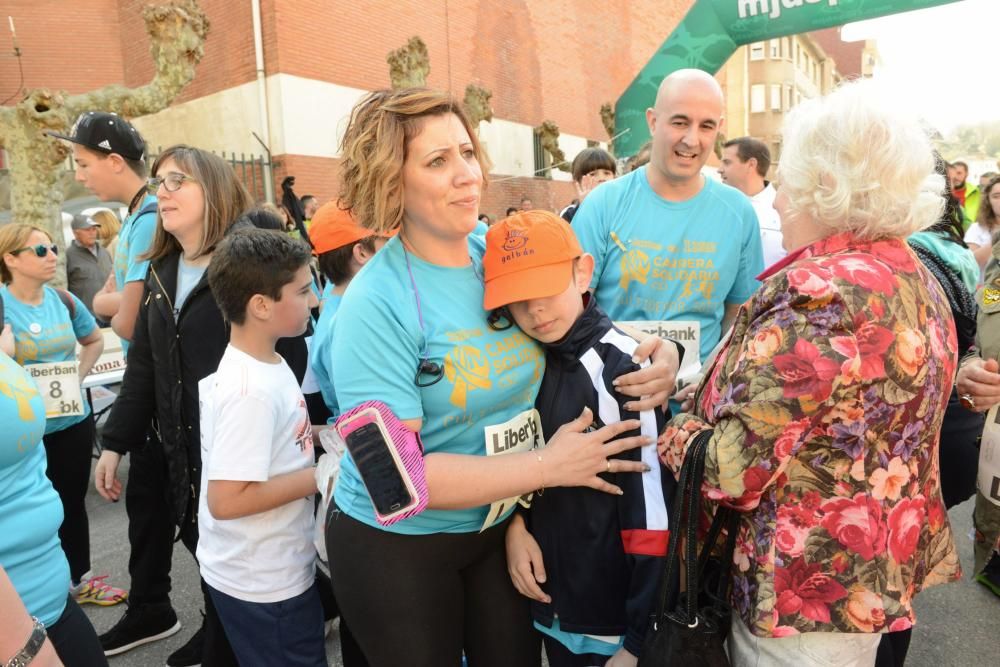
(179,338)
(45,326)
(413,334)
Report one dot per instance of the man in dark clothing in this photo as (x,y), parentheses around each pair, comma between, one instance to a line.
(88,263)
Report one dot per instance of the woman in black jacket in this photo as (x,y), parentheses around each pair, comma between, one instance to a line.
(179,338)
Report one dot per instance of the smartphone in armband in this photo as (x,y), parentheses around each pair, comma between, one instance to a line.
(393,478)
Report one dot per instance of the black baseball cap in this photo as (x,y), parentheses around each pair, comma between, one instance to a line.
(106,133)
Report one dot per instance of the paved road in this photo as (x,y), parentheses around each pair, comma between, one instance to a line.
(958,624)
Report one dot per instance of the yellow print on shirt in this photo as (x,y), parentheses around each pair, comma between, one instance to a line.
(635,266)
(697,275)
(467,369)
(22,391)
(470,368)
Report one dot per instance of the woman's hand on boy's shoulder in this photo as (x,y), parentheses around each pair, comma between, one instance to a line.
(653,385)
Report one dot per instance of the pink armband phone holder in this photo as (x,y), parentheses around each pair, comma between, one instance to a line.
(390,459)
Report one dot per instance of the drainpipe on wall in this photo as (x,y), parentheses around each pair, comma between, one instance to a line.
(265,119)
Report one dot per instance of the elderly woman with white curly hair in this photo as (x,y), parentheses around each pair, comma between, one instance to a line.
(825,402)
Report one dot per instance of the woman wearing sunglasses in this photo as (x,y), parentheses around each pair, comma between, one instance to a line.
(413,334)
(179,338)
(45,326)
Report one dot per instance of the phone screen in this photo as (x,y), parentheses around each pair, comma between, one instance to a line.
(377,466)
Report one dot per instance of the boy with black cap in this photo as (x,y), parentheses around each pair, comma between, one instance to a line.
(589,561)
(110,162)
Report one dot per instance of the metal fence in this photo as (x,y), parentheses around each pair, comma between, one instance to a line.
(250,169)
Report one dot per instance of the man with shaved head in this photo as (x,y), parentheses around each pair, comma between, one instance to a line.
(674,250)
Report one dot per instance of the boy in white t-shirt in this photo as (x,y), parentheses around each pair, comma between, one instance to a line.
(256,509)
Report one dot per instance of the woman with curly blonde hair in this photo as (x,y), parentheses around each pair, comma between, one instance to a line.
(413,163)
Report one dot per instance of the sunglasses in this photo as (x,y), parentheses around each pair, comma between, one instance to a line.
(40,250)
(172,182)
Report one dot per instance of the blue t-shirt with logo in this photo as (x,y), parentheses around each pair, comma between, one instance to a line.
(662,260)
(134,239)
(489,376)
(47,333)
(30,509)
(320,353)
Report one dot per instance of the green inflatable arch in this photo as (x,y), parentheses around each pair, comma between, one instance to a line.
(714,29)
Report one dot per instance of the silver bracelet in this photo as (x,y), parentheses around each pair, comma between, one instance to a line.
(24,657)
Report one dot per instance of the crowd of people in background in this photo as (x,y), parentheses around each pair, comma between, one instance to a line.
(517,393)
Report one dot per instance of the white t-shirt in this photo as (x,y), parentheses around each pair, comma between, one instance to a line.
(979,235)
(255,426)
(770,225)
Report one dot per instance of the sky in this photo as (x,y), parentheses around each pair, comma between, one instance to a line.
(937,59)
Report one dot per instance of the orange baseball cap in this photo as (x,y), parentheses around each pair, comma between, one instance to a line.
(333,227)
(528,256)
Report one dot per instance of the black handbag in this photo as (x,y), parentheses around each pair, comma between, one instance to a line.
(690,628)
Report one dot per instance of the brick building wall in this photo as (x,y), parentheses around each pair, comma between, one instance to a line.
(542,59)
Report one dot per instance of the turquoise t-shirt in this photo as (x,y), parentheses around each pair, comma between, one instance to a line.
(489,376)
(326,293)
(959,259)
(662,260)
(46,333)
(134,239)
(320,353)
(30,509)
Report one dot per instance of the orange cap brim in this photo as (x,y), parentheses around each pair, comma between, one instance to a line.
(537,282)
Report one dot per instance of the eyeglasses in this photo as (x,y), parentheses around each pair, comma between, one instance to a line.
(40,250)
(172,182)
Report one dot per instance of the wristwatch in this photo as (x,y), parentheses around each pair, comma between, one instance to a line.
(24,657)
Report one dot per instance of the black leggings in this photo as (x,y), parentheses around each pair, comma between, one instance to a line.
(420,600)
(74,639)
(68,452)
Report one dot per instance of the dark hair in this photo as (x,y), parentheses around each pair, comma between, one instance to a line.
(949,225)
(484,218)
(138,167)
(510,211)
(748,147)
(253,261)
(591,159)
(336,264)
(262,218)
(305,199)
(959,163)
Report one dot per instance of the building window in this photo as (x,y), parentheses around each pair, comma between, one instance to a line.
(776,152)
(757,51)
(757,102)
(788,97)
(775,97)
(786,51)
(775,49)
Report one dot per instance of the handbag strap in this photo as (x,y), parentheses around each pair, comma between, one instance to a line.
(684,522)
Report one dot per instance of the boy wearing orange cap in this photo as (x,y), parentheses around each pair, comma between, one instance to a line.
(590,562)
(343,247)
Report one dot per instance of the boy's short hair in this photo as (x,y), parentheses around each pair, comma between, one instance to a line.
(253,261)
(591,159)
(336,264)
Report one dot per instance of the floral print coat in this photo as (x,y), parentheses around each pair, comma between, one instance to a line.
(826,405)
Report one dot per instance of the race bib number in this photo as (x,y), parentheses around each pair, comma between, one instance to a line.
(685,332)
(59,385)
(988,478)
(520,434)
